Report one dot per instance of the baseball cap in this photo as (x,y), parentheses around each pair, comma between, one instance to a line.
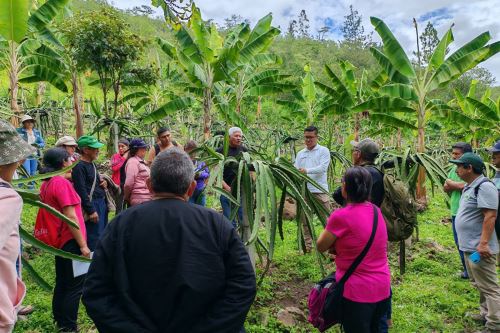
(138,143)
(470,158)
(466,148)
(66,141)
(496,147)
(89,141)
(366,146)
(12,146)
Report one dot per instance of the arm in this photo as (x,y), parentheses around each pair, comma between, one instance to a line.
(325,241)
(450,185)
(324,162)
(39,139)
(228,313)
(69,212)
(490,216)
(151,156)
(116,163)
(12,206)
(79,184)
(110,309)
(131,171)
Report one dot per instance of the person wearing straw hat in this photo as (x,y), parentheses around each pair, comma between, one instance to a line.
(13,150)
(34,137)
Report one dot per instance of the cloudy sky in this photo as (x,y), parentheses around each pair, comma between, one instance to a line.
(470,17)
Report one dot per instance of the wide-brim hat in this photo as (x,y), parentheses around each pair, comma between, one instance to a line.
(89,141)
(12,146)
(66,141)
(27,117)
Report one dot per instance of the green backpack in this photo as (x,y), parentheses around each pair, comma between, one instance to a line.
(398,208)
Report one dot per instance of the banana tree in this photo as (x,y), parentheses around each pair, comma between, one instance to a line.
(207,58)
(22,34)
(415,84)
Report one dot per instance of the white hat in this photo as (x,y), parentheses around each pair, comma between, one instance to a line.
(66,141)
(26,118)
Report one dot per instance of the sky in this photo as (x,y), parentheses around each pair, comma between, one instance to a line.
(470,17)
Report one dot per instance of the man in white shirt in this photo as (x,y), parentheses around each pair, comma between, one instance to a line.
(314,160)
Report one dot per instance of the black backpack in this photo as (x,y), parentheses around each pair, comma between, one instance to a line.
(497,222)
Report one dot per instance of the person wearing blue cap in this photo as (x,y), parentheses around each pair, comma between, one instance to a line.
(135,188)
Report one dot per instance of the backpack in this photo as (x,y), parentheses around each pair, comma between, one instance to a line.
(48,232)
(497,222)
(398,208)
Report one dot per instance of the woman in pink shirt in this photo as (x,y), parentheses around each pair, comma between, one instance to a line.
(118,159)
(135,189)
(58,192)
(367,290)
(13,149)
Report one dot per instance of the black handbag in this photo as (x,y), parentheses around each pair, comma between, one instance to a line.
(332,309)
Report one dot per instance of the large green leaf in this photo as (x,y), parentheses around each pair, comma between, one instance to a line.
(384,104)
(471,46)
(166,47)
(387,66)
(392,48)
(46,13)
(391,120)
(308,89)
(201,35)
(14,19)
(489,113)
(439,53)
(177,104)
(34,274)
(399,90)
(258,45)
(260,28)
(342,96)
(51,210)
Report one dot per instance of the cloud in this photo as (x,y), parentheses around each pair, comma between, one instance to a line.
(470,17)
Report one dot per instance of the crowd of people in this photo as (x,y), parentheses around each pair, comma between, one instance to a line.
(163,232)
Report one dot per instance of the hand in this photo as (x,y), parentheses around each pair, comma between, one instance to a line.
(103,184)
(94,217)
(484,250)
(85,251)
(302,170)
(227,188)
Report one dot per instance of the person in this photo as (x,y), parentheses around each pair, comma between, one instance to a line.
(454,186)
(13,149)
(495,160)
(230,171)
(69,143)
(201,174)
(164,142)
(366,293)
(34,137)
(90,188)
(475,225)
(314,160)
(58,192)
(202,282)
(364,154)
(135,189)
(118,159)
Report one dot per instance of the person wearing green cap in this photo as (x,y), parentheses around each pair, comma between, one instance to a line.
(495,160)
(13,150)
(91,189)
(475,226)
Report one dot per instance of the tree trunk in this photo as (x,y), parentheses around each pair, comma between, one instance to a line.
(13,72)
(40,91)
(356,126)
(77,106)
(398,141)
(259,106)
(421,192)
(207,105)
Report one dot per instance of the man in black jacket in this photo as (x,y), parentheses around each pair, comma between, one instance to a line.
(168,265)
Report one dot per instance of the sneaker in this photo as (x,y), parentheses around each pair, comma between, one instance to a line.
(26,310)
(464,276)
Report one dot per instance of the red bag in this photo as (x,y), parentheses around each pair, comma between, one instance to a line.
(46,231)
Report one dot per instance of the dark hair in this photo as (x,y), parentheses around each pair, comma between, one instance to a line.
(368,157)
(464,146)
(190,145)
(476,170)
(311,129)
(162,130)
(53,159)
(132,151)
(358,184)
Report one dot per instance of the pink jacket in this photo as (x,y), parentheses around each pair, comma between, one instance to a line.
(12,289)
(135,189)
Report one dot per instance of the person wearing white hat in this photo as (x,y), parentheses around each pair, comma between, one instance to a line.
(33,136)
(69,143)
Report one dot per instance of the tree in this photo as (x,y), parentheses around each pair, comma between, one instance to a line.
(233,21)
(428,42)
(292,29)
(303,25)
(353,30)
(416,85)
(322,32)
(103,42)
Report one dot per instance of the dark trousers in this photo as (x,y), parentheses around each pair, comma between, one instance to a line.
(95,230)
(455,237)
(363,317)
(68,290)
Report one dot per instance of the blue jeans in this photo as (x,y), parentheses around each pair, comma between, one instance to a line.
(384,328)
(226,210)
(455,237)
(198,198)
(31,166)
(95,230)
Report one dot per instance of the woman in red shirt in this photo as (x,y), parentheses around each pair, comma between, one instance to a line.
(59,193)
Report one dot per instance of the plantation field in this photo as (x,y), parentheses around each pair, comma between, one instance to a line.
(430,297)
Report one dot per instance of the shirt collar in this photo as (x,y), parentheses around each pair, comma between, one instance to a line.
(475,182)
